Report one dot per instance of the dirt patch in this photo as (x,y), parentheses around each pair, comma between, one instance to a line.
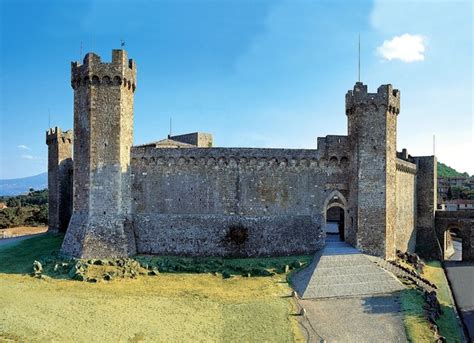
(22,231)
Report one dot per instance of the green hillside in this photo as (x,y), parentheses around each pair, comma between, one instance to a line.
(446,171)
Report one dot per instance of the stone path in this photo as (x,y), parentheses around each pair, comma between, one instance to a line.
(348,298)
(340,270)
(376,318)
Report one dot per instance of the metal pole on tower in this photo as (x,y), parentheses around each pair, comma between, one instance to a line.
(359,60)
(434,145)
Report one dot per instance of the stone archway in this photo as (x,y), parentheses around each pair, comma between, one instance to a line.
(335,215)
(452,247)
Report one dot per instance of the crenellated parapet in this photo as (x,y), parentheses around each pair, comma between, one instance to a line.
(406,167)
(55,135)
(229,158)
(93,72)
(386,98)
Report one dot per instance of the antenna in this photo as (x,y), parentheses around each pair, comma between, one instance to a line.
(359,59)
(434,145)
(171,126)
(49,118)
(80,52)
(122,43)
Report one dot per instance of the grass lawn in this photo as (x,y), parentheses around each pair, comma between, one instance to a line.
(169,307)
(412,304)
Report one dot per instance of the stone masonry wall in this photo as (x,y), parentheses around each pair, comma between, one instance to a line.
(103,126)
(372,128)
(426,190)
(405,227)
(195,199)
(59,178)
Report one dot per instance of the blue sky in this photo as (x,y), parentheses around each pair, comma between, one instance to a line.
(253,73)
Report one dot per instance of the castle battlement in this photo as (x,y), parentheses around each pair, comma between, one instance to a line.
(386,97)
(55,134)
(121,71)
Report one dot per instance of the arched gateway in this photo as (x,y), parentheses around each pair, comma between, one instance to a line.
(335,215)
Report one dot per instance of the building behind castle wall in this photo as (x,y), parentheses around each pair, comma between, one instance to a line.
(195,199)
(199,139)
(60,176)
(405,225)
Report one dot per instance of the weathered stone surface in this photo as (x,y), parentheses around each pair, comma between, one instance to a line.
(60,167)
(103,135)
(192,199)
(209,235)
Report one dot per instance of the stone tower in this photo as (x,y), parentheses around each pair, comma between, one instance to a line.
(59,178)
(103,135)
(372,133)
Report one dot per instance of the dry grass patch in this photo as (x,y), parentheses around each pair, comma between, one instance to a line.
(169,307)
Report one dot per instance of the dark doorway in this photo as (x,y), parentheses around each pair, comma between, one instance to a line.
(335,222)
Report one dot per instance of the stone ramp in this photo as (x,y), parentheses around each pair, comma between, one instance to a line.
(340,270)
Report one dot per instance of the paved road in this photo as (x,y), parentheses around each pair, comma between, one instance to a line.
(461,277)
(6,242)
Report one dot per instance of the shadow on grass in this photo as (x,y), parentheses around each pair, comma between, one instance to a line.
(19,258)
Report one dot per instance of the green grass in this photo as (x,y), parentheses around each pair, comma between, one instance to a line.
(19,258)
(447,323)
(169,307)
(417,326)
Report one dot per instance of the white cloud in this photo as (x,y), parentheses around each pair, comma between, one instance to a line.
(407,48)
(31,157)
(24,147)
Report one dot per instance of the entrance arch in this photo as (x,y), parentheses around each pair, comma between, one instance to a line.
(335,216)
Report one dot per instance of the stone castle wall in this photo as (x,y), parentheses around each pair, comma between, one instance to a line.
(372,130)
(426,190)
(100,225)
(405,226)
(199,200)
(60,167)
(194,199)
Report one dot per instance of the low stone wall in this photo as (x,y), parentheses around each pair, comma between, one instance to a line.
(227,235)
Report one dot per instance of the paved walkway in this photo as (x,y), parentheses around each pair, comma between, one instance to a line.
(348,298)
(340,270)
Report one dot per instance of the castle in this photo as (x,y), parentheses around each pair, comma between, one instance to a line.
(181,196)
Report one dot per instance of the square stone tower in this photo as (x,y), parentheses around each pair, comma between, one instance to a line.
(372,133)
(59,178)
(100,225)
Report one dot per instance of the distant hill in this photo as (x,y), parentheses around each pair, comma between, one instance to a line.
(446,171)
(20,186)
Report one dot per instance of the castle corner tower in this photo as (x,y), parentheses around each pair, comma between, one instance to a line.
(100,225)
(59,178)
(372,133)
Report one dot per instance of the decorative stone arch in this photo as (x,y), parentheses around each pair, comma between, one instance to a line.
(336,199)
